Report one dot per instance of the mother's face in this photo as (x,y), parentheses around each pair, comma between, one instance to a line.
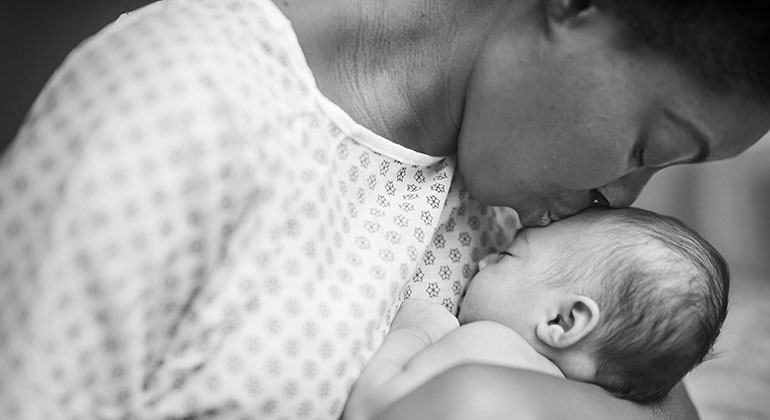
(550,123)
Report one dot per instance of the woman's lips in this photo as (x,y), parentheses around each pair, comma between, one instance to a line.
(542,219)
(537,219)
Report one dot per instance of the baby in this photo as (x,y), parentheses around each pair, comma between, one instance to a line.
(622,298)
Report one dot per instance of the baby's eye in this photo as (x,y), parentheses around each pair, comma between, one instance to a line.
(505,253)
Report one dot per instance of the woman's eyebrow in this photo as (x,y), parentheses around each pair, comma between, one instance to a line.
(704,145)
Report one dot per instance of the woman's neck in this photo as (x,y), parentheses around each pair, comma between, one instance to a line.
(398,67)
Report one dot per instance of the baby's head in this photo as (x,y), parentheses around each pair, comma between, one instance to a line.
(624,298)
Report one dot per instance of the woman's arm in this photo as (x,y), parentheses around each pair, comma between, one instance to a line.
(482,392)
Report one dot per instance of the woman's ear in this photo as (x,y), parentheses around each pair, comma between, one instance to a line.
(567,11)
(575,318)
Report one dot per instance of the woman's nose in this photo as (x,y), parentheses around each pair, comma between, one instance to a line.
(623,192)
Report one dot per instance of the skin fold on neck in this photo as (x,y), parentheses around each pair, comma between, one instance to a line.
(400,68)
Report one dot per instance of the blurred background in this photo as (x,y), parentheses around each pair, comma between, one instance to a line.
(35,36)
(727,202)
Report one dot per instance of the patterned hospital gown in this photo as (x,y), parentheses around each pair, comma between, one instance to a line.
(188,228)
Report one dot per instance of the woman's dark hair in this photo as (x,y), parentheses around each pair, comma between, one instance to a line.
(726,43)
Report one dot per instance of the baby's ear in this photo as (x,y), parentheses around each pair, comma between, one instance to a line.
(575,318)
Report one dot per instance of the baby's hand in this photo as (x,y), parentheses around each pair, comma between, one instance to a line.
(417,324)
(427,318)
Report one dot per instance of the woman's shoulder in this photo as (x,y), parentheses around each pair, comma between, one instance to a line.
(235,50)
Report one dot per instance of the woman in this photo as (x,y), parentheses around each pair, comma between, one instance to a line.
(195,223)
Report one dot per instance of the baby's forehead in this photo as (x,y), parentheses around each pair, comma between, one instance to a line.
(605,222)
(592,224)
(607,236)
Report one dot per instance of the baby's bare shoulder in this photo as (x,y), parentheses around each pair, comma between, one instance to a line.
(486,333)
(494,343)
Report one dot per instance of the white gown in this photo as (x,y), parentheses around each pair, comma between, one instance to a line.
(189,228)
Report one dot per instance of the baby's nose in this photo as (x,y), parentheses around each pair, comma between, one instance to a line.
(489,259)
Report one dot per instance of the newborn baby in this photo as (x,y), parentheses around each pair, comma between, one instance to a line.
(623,298)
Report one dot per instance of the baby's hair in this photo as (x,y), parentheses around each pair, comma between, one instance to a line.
(663,296)
(723,42)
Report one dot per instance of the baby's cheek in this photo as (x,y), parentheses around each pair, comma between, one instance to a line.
(473,307)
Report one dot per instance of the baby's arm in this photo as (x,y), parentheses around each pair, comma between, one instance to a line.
(407,359)
(417,324)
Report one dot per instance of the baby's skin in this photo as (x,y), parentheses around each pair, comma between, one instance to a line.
(424,340)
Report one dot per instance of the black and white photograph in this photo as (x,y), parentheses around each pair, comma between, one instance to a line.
(384,210)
